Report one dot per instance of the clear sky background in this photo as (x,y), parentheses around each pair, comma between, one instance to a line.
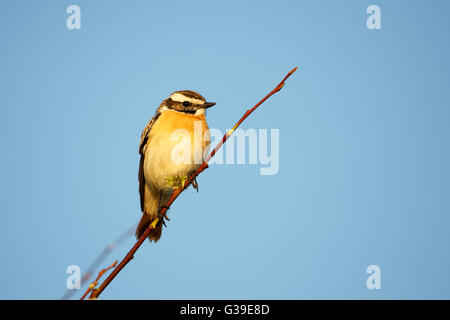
(364,147)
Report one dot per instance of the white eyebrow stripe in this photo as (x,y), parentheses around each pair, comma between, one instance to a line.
(181,97)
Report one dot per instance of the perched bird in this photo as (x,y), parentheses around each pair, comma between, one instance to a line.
(177,131)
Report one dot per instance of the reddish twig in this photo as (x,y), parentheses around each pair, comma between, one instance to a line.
(130,255)
(94,284)
(100,258)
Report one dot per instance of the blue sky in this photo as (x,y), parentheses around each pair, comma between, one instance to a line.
(363,177)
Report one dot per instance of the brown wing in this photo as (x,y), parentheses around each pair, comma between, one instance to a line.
(142,149)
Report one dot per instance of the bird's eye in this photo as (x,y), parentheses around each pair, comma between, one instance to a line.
(186,104)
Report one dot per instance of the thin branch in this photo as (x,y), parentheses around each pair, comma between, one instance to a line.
(94,284)
(100,258)
(130,255)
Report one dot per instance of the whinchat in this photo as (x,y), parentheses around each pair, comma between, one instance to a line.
(159,167)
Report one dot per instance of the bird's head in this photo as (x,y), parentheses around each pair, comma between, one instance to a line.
(187,101)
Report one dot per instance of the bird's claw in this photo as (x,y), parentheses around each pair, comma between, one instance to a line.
(163,216)
(194,182)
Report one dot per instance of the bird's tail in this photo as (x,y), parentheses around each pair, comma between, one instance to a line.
(146,220)
(153,200)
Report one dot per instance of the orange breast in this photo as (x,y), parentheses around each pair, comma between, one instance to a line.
(175,147)
(170,121)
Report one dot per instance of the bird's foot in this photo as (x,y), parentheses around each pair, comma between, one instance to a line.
(163,215)
(193,175)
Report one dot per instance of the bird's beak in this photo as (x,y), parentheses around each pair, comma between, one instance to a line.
(208,105)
